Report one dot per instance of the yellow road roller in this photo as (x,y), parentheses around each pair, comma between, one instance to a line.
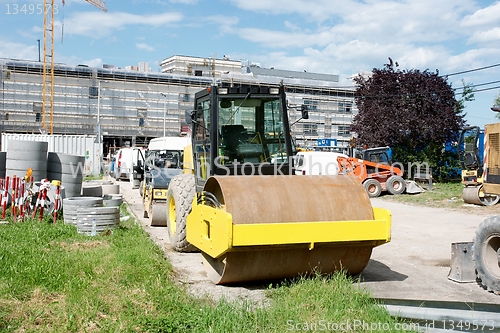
(240,204)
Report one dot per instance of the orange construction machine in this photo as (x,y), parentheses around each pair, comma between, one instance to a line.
(374,169)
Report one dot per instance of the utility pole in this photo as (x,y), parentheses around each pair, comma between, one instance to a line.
(39,58)
(98,126)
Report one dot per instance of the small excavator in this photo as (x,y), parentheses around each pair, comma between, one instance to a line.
(374,169)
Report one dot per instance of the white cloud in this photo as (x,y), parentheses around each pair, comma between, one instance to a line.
(485,16)
(99,24)
(318,10)
(353,36)
(144,46)
(185,2)
(18,50)
(488,36)
(96,62)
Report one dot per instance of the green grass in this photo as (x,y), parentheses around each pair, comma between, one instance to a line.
(53,279)
(442,195)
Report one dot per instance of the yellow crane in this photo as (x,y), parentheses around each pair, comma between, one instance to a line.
(48,57)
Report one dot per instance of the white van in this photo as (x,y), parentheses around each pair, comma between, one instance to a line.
(170,143)
(167,151)
(128,164)
(317,163)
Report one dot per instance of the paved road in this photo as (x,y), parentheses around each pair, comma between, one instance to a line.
(414,265)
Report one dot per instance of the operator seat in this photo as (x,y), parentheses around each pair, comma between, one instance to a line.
(232,137)
(235,141)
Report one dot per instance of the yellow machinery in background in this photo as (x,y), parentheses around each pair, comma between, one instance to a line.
(480,260)
(473,162)
(255,220)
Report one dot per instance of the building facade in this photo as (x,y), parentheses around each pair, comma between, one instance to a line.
(132,107)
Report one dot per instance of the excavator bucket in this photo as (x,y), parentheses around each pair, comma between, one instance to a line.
(412,187)
(252,228)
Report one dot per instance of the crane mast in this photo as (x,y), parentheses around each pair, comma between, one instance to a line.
(48,60)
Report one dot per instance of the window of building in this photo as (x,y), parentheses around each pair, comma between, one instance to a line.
(141,122)
(186,98)
(198,73)
(93,92)
(312,105)
(38,117)
(344,130)
(345,107)
(310,129)
(37,107)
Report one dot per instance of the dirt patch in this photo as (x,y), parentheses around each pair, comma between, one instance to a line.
(90,245)
(39,311)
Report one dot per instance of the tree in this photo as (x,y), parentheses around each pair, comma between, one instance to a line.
(415,113)
(496,104)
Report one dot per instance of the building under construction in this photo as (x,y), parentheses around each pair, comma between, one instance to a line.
(131,107)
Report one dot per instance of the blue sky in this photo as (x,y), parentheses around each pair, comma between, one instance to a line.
(324,36)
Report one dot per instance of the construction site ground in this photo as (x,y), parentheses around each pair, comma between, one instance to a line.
(414,265)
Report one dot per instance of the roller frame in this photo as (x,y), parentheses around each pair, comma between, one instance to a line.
(211,230)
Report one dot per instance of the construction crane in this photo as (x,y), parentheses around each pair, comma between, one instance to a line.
(48,58)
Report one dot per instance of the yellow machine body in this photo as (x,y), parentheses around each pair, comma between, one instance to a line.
(269,228)
(492,158)
(482,179)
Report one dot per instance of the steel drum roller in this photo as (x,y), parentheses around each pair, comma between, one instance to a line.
(287,201)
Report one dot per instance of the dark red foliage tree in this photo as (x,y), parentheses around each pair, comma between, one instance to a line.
(405,107)
(413,112)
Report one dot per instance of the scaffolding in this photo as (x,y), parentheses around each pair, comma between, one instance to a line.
(136,106)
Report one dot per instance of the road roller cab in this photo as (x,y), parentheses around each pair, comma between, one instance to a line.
(240,203)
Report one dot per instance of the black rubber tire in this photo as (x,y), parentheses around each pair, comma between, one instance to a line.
(395,185)
(141,188)
(181,190)
(486,254)
(372,187)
